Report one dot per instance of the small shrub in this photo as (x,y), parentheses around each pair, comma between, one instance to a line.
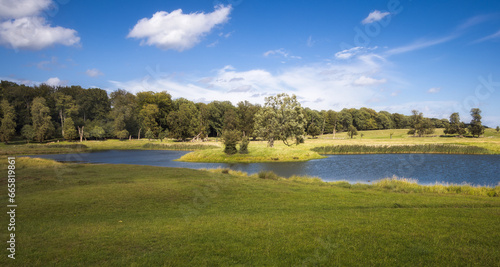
(231,138)
(244,145)
(269,175)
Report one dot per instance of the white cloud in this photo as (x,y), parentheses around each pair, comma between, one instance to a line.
(13,9)
(93,72)
(375,16)
(366,81)
(34,33)
(176,30)
(320,85)
(434,90)
(54,82)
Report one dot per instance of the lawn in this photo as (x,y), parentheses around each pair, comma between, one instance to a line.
(114,215)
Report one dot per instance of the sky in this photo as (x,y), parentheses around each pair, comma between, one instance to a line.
(438,57)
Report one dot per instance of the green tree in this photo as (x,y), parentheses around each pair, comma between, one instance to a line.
(455,126)
(313,130)
(8,126)
(148,116)
(231,138)
(230,120)
(184,122)
(476,128)
(281,118)
(41,119)
(163,100)
(332,122)
(28,132)
(124,114)
(69,129)
(498,129)
(352,131)
(97,132)
(163,134)
(246,117)
(123,134)
(66,107)
(384,120)
(149,134)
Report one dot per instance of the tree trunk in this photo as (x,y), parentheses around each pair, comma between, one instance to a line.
(334,130)
(139,135)
(80,132)
(323,128)
(62,122)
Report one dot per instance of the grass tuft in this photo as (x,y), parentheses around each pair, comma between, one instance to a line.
(405,185)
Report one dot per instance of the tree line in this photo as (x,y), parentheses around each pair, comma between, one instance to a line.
(45,112)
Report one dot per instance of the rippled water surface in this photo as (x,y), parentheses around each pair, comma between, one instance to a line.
(426,168)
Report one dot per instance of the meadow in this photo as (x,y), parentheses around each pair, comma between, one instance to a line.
(375,141)
(114,215)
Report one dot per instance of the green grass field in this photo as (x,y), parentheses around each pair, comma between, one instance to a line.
(115,215)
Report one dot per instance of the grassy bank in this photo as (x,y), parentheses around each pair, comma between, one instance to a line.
(258,152)
(396,149)
(109,215)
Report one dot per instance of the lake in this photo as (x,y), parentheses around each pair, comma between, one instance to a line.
(426,168)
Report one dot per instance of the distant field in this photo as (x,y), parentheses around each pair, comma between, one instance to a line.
(258,149)
(115,215)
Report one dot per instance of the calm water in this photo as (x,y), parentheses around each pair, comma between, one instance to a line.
(426,168)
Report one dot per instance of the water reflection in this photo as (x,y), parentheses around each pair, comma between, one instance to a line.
(427,168)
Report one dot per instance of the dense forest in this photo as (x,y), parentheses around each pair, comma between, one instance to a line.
(45,112)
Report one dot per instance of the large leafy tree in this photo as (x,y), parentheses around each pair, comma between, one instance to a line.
(217,109)
(476,128)
(419,125)
(281,118)
(123,113)
(148,116)
(183,123)
(69,129)
(455,126)
(246,117)
(66,107)
(41,119)
(8,123)
(94,104)
(163,101)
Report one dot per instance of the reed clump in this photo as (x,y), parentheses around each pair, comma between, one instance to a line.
(187,147)
(396,149)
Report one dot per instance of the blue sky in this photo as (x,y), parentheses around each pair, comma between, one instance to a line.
(438,57)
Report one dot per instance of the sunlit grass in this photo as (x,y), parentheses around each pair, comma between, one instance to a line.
(124,215)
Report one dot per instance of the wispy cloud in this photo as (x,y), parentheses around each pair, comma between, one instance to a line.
(93,72)
(434,90)
(496,35)
(339,85)
(375,16)
(420,45)
(349,53)
(363,81)
(282,52)
(310,42)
